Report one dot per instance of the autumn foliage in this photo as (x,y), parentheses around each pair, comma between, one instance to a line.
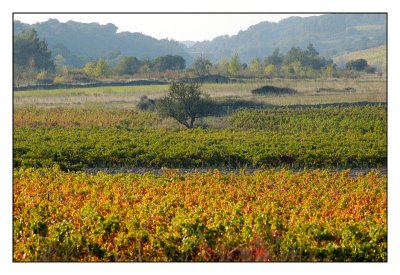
(263,216)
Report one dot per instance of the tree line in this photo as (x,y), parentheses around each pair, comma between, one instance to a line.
(34,63)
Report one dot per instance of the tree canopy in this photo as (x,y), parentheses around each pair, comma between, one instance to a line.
(307,58)
(202,65)
(168,62)
(358,64)
(30,51)
(128,65)
(275,59)
(234,65)
(184,102)
(98,68)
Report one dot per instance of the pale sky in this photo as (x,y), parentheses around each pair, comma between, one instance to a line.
(197,27)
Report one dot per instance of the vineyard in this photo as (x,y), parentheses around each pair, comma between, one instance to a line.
(313,137)
(256,181)
(264,216)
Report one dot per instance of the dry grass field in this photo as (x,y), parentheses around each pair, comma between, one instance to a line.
(370,89)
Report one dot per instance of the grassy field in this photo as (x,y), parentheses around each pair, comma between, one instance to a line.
(370,27)
(252,191)
(371,89)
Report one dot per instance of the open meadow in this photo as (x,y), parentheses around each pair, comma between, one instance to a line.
(310,91)
(299,177)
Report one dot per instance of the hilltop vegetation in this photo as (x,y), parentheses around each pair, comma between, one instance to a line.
(77,43)
(293,48)
(332,34)
(33,64)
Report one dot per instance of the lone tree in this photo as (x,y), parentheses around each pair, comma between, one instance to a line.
(234,65)
(357,65)
(127,65)
(184,103)
(202,65)
(360,65)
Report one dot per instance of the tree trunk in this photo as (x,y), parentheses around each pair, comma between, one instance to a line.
(191,122)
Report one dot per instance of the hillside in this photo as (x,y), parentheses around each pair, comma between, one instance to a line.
(80,42)
(376,57)
(331,34)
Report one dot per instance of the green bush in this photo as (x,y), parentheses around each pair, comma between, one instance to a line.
(272,90)
(146,104)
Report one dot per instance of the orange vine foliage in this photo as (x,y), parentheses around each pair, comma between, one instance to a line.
(262,216)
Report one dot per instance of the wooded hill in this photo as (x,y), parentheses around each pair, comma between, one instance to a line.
(79,43)
(331,34)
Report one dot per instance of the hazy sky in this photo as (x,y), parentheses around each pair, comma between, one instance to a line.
(197,27)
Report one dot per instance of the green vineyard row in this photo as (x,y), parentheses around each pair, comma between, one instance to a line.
(330,137)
